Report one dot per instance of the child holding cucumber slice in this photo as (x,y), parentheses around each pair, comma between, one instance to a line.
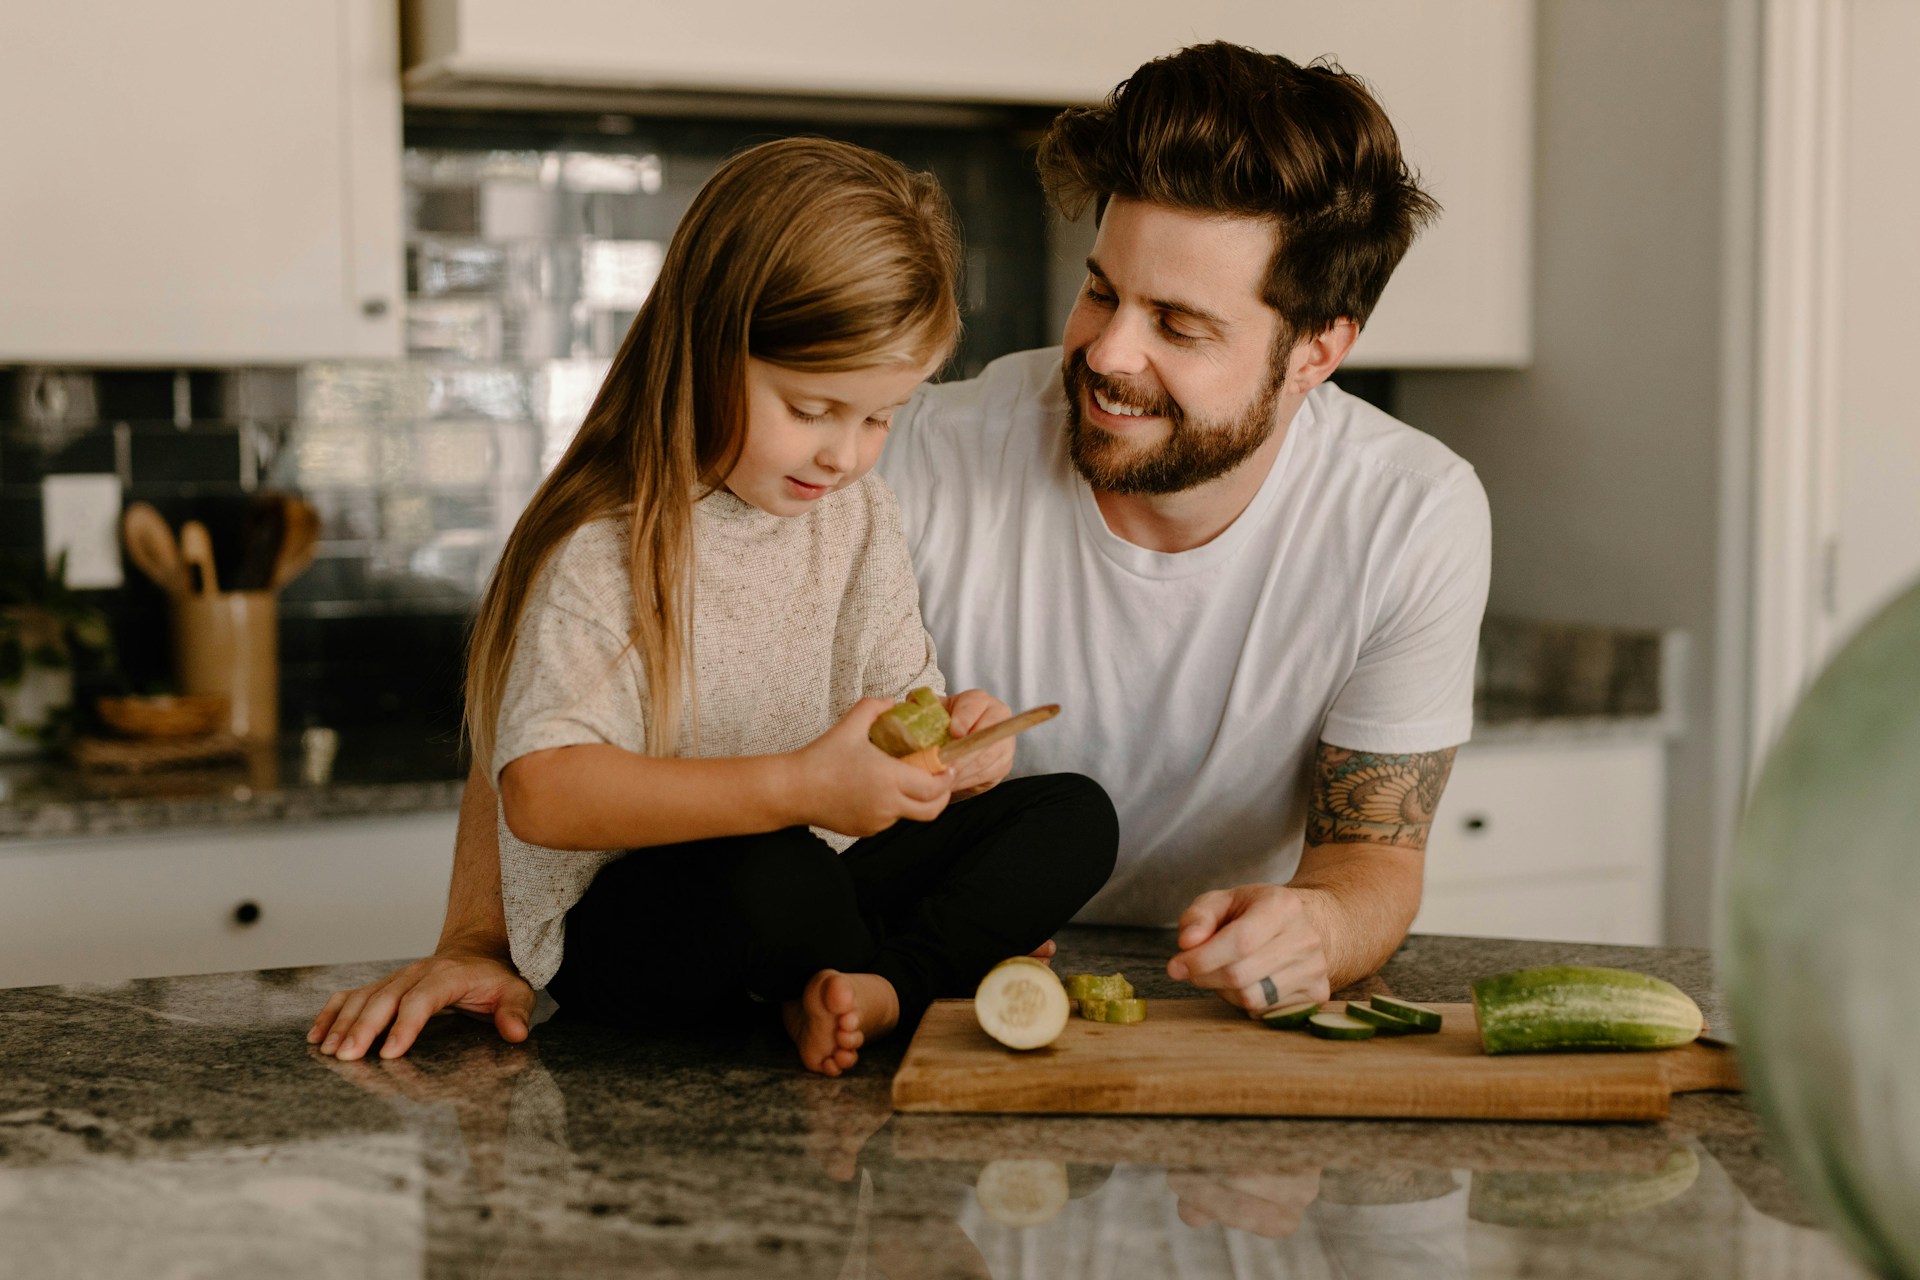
(701,613)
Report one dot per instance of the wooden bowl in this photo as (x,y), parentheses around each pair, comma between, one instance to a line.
(164,716)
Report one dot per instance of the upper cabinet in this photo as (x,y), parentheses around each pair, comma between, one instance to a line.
(1455,75)
(214,182)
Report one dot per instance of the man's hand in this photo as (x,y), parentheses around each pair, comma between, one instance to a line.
(1258,947)
(968,712)
(399,1004)
(1266,1204)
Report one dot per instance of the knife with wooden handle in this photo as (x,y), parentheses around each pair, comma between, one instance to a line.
(939,759)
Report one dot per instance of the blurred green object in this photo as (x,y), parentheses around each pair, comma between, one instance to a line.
(46,630)
(1822,942)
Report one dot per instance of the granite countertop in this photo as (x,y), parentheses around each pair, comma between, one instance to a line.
(382,769)
(182,1126)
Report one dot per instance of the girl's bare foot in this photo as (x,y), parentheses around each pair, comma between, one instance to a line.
(836,1014)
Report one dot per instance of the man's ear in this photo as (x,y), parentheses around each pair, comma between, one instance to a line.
(1312,362)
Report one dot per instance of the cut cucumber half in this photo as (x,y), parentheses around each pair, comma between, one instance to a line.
(1338,1026)
(1385,1023)
(1422,1018)
(1293,1015)
(1021,1004)
(1573,1007)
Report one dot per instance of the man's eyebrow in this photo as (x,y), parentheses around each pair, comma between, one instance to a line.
(1167,304)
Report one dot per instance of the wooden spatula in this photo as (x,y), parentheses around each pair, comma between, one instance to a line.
(939,759)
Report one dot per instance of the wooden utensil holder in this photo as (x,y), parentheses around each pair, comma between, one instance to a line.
(229,643)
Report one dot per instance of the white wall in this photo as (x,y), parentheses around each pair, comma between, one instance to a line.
(1602,461)
(1877,482)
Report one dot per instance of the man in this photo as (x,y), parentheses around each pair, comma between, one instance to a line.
(1257,597)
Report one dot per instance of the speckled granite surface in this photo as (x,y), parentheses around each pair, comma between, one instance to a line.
(183,1127)
(379,770)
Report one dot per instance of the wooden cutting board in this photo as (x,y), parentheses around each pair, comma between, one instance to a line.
(1200,1057)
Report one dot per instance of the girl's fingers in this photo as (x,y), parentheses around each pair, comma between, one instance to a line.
(324,1019)
(343,1020)
(373,1018)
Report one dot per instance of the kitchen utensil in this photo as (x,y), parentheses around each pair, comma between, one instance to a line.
(151,546)
(227,643)
(262,530)
(163,717)
(196,549)
(940,758)
(300,538)
(1202,1057)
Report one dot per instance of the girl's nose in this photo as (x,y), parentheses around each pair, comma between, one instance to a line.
(839,453)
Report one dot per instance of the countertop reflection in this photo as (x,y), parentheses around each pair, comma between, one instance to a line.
(182,1126)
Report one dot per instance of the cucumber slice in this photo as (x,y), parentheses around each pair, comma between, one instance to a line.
(1338,1026)
(1094,986)
(1385,1023)
(1022,1193)
(1021,1004)
(1128,1010)
(1293,1015)
(1422,1018)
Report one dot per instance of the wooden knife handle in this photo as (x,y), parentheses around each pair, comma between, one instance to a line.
(939,759)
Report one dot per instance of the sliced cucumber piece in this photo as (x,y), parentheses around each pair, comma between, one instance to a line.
(1293,1015)
(1127,1010)
(1422,1018)
(1095,986)
(1385,1023)
(1021,1004)
(1338,1026)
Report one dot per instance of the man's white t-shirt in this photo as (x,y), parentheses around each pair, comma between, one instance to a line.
(1343,604)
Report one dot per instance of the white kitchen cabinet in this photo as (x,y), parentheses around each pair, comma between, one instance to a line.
(258,897)
(206,183)
(1455,75)
(1550,840)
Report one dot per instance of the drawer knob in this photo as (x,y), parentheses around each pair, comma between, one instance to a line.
(246,913)
(1476,824)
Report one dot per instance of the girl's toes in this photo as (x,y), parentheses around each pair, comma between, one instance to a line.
(850,1039)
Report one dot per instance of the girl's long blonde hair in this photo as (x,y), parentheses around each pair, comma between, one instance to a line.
(806,253)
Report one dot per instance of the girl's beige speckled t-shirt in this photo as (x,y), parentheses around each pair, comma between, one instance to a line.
(795,618)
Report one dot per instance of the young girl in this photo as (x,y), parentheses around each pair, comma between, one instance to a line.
(663,666)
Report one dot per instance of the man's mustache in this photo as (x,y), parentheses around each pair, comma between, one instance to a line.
(1159,405)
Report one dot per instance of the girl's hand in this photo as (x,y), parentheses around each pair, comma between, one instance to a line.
(851,786)
(967,712)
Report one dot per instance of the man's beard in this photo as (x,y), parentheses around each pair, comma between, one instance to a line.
(1194,452)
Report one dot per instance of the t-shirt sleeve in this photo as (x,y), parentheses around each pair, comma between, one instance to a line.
(573,679)
(1411,688)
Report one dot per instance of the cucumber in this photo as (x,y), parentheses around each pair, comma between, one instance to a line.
(1293,1015)
(1022,1193)
(1578,1199)
(913,725)
(1572,1007)
(1124,1010)
(1021,1004)
(1093,986)
(1338,1026)
(1385,1023)
(1422,1018)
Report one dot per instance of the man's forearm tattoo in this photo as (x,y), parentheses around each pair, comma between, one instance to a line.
(1362,796)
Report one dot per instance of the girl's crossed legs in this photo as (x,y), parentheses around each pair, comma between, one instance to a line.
(848,944)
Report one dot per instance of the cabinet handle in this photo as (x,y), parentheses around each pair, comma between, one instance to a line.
(246,913)
(1476,824)
(373,308)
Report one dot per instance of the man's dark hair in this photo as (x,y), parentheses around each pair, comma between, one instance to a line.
(1221,128)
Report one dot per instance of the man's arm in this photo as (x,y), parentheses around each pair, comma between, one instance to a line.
(471,970)
(1350,901)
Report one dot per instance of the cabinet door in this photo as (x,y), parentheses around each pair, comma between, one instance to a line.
(215,182)
(1456,76)
(1558,841)
(261,897)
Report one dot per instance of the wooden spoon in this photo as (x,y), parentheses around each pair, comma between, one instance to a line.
(196,548)
(298,542)
(151,546)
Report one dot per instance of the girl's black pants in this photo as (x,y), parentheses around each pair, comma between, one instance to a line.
(702,930)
